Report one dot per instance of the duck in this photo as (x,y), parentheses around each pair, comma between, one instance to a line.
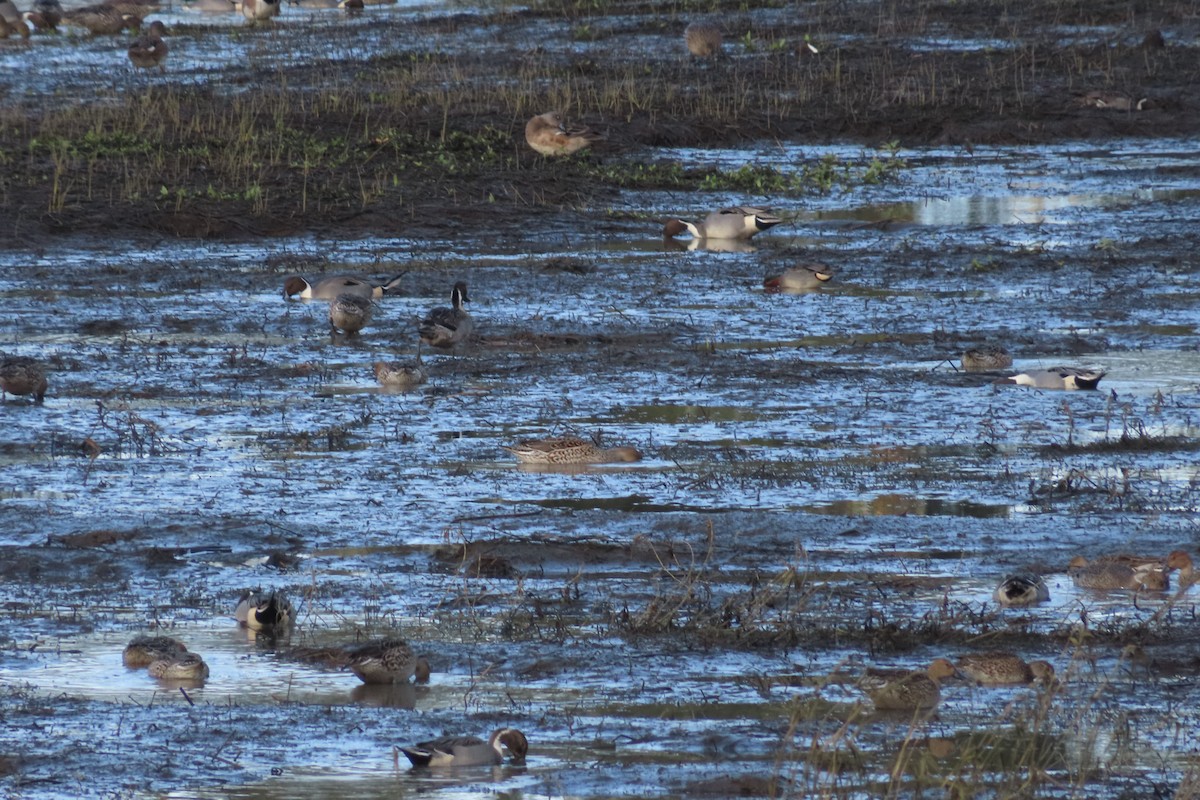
(548,135)
(349,313)
(1113,101)
(256,11)
(102,20)
(9,12)
(270,614)
(394,375)
(149,49)
(11,21)
(919,690)
(447,327)
(736,222)
(570,450)
(7,28)
(468,751)
(185,667)
(985,358)
(802,278)
(142,651)
(22,375)
(1021,589)
(45,15)
(1066,378)
(383,661)
(209,6)
(1138,573)
(1001,669)
(330,287)
(703,39)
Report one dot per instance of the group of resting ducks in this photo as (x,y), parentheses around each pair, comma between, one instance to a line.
(920,690)
(378,662)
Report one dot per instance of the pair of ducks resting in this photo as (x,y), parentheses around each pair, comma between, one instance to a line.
(920,690)
(1106,573)
(991,358)
(350,310)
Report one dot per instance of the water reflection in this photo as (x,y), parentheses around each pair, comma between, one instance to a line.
(711,245)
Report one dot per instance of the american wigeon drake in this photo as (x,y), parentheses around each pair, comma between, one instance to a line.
(570,450)
(22,375)
(549,135)
(349,313)
(45,15)
(468,751)
(394,375)
(919,690)
(1066,378)
(258,10)
(737,222)
(802,278)
(1002,669)
(447,327)
(185,667)
(330,287)
(149,49)
(383,661)
(985,358)
(703,39)
(142,651)
(101,20)
(1021,589)
(272,613)
(1131,572)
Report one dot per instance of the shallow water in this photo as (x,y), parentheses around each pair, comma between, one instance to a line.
(823,489)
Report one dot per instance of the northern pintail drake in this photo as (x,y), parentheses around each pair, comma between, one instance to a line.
(142,651)
(916,691)
(22,375)
(985,358)
(703,39)
(149,49)
(1068,378)
(738,222)
(102,20)
(469,751)
(570,450)
(271,613)
(1022,589)
(45,15)
(349,313)
(803,278)
(185,667)
(448,327)
(383,661)
(394,375)
(550,136)
(330,287)
(1131,572)
(1002,669)
(258,10)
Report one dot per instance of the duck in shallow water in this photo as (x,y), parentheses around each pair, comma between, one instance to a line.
(468,751)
